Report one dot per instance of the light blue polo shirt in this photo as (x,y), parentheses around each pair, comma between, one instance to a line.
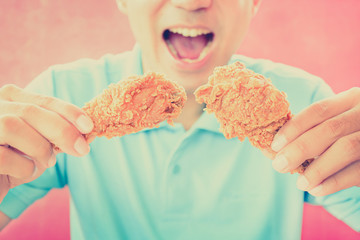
(168,183)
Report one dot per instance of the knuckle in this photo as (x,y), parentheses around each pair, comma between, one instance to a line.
(9,124)
(66,138)
(301,146)
(70,111)
(68,133)
(335,127)
(355,95)
(43,153)
(314,173)
(351,145)
(7,89)
(355,91)
(293,127)
(320,108)
(67,110)
(45,101)
(29,110)
(334,182)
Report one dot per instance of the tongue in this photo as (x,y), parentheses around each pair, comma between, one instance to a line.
(188,47)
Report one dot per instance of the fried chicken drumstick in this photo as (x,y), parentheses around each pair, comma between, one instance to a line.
(133,104)
(246,105)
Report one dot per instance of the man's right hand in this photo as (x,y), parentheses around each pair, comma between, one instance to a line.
(30,126)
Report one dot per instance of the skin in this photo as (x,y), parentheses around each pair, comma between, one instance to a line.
(228,19)
(29,123)
(336,125)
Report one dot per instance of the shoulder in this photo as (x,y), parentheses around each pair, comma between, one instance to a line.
(81,80)
(107,64)
(280,74)
(301,87)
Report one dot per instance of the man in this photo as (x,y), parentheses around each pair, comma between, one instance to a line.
(187,181)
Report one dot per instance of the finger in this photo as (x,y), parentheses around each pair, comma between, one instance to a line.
(341,154)
(90,138)
(344,179)
(4,186)
(268,153)
(15,165)
(70,112)
(19,135)
(313,115)
(316,140)
(51,126)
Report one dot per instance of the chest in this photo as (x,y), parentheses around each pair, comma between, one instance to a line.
(172,180)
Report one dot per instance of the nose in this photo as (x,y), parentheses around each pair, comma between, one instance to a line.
(192,5)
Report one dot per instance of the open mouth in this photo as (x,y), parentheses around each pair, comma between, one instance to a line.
(188,44)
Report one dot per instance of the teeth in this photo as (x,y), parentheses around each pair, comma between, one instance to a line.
(189,32)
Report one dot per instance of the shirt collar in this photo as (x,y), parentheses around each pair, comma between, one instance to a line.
(206,121)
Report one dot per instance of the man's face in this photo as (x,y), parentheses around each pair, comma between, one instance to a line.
(186,39)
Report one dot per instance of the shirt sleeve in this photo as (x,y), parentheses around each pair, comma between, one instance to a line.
(22,196)
(43,84)
(322,91)
(344,205)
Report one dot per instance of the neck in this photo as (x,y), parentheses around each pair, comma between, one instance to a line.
(191,110)
(190,113)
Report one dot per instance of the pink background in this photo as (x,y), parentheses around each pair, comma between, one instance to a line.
(319,36)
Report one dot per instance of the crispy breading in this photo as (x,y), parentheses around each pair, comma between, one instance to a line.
(246,104)
(135,103)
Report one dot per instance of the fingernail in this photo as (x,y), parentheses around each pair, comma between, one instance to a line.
(35,171)
(84,124)
(302,183)
(316,189)
(52,160)
(81,146)
(280,163)
(278,143)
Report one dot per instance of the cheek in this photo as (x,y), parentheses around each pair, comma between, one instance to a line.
(236,30)
(140,26)
(238,18)
(142,19)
